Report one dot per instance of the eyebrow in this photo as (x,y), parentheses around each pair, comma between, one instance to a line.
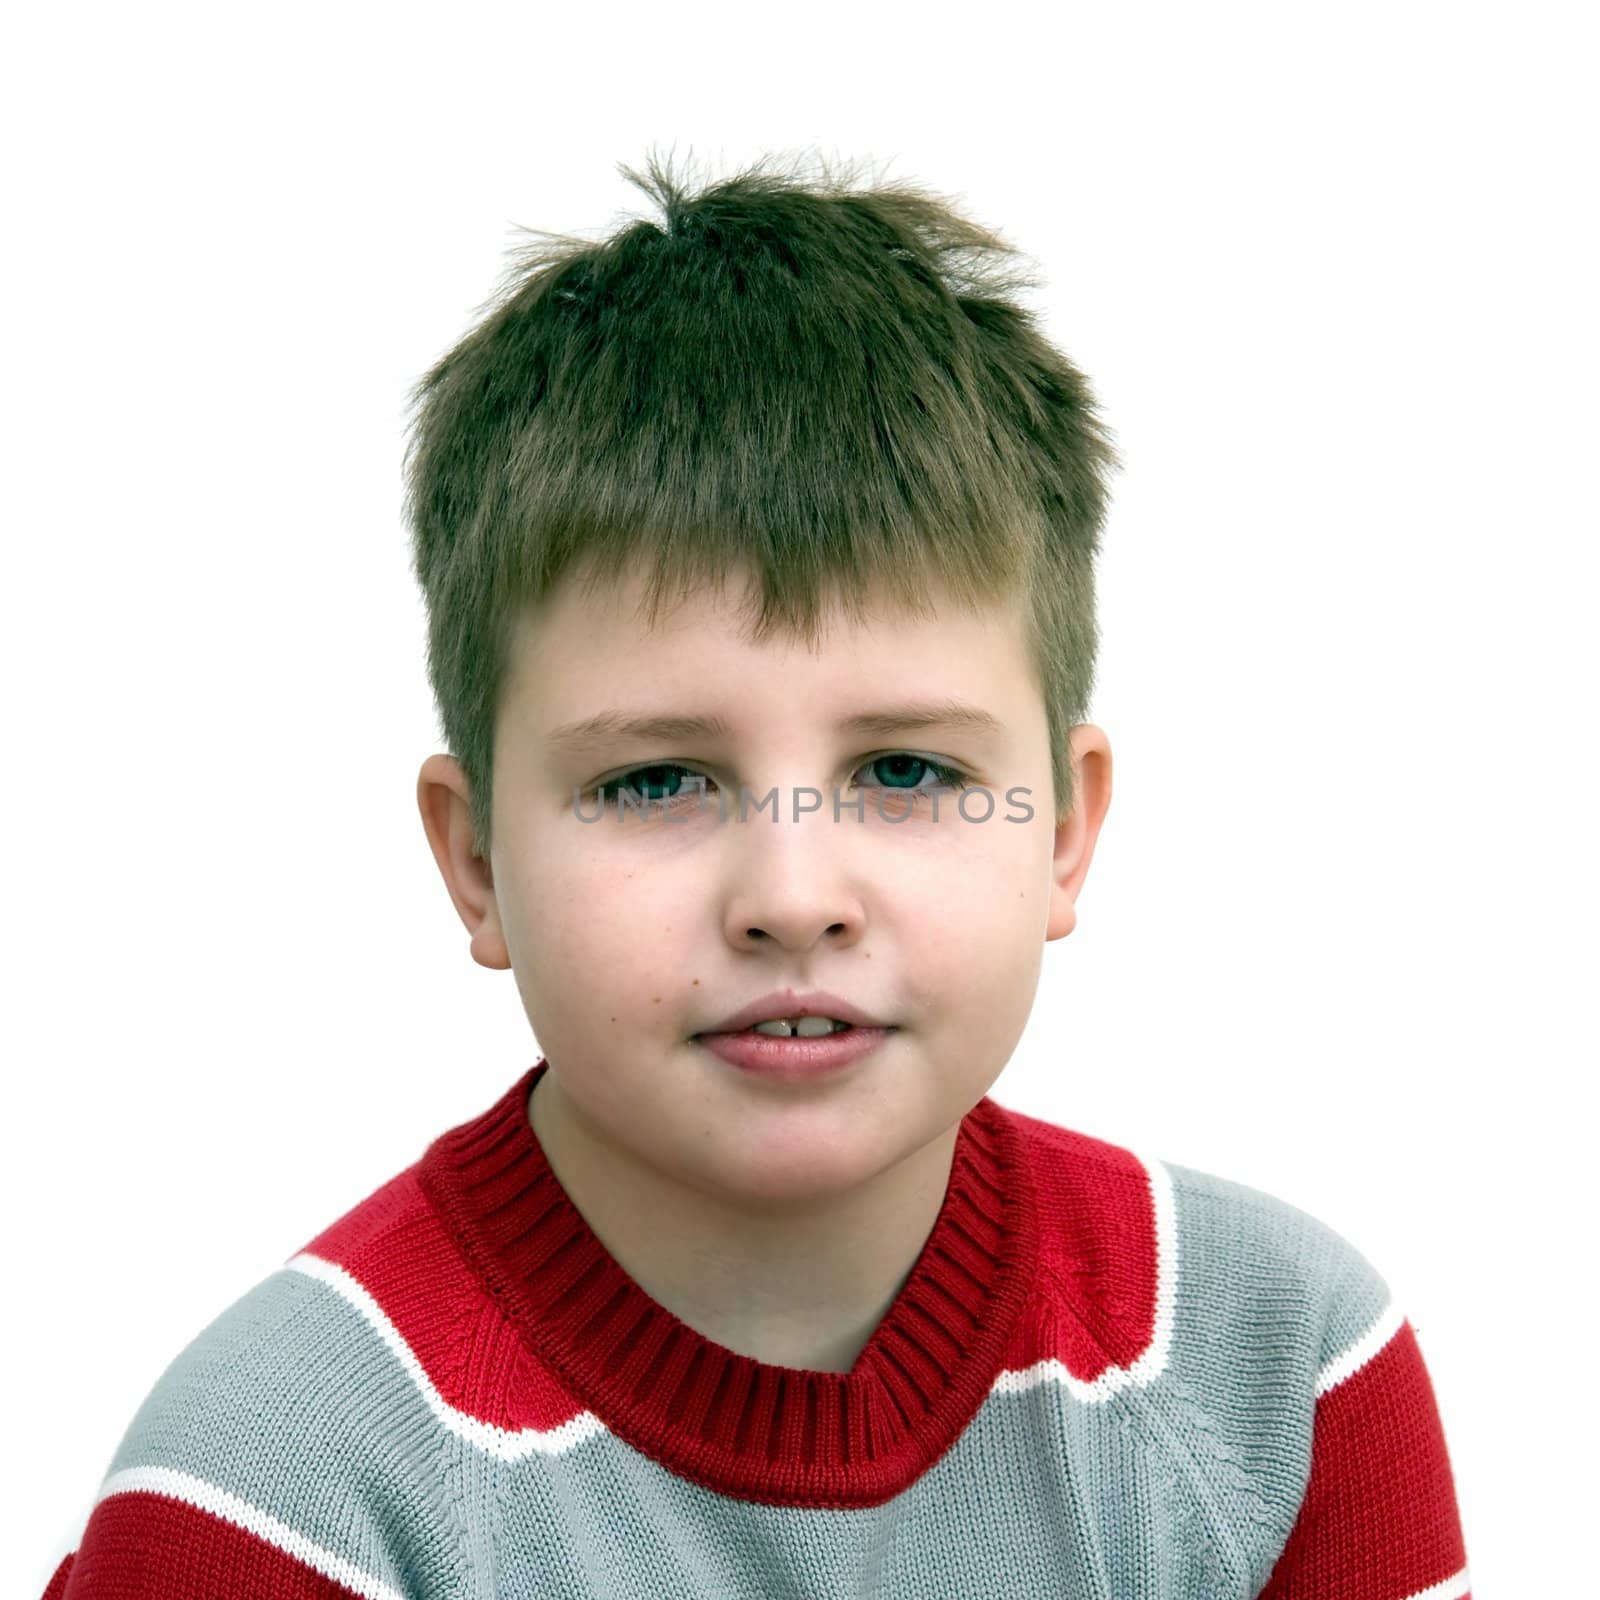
(609,726)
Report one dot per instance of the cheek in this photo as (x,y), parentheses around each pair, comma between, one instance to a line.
(596,942)
(571,898)
(989,874)
(973,934)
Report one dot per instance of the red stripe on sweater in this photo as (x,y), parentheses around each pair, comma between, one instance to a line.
(394,1245)
(57,1587)
(142,1546)
(1379,1520)
(1098,1248)
(1098,1256)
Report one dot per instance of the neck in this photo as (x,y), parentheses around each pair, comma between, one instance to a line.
(800,1286)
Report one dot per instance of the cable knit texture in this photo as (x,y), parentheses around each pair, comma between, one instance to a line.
(1107,1376)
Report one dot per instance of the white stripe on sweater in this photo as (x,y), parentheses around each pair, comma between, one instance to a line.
(1452,1588)
(509,1446)
(1355,1356)
(487,1436)
(209,1497)
(1152,1360)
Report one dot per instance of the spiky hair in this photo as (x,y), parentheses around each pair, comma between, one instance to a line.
(790,374)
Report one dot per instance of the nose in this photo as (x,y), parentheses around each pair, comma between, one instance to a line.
(791,882)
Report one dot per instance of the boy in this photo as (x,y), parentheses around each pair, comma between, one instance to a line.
(729,529)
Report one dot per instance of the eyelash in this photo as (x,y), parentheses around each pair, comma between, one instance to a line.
(949,776)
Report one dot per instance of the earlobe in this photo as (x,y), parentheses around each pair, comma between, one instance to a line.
(1064,878)
(1077,832)
(488,947)
(444,800)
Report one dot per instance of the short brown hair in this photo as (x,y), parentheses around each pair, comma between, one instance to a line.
(822,383)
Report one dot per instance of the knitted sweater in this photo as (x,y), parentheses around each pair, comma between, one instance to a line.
(1106,1376)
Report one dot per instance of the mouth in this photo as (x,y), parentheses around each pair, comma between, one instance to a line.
(788,1014)
(787,1028)
(768,1050)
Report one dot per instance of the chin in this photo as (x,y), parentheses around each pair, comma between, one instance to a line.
(797,1153)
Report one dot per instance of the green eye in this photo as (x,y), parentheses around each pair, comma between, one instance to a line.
(948,776)
(669,781)
(664,784)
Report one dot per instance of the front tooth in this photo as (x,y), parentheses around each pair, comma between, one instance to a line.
(802,1027)
(815,1027)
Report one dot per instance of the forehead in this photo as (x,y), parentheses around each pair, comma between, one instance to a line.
(584,642)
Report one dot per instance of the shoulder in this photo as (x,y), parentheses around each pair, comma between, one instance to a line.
(1263,1254)
(292,1430)
(1158,1259)
(1211,1318)
(322,1356)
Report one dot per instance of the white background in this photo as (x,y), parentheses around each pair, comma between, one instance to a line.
(1330,273)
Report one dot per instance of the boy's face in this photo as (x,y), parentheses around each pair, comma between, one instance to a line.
(629,937)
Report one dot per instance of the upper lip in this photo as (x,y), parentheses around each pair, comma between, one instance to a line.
(790,1003)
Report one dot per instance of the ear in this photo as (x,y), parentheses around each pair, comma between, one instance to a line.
(444,798)
(1078,830)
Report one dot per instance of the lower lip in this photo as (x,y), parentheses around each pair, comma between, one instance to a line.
(793,1057)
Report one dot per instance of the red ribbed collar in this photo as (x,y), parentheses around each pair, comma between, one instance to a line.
(780,1435)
